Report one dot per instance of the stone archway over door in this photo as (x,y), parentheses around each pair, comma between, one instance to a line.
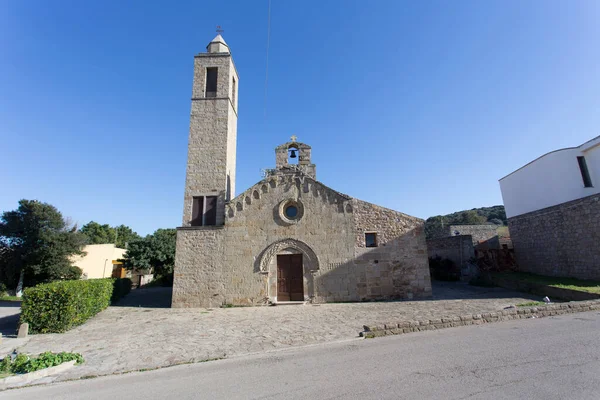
(290,277)
(266,263)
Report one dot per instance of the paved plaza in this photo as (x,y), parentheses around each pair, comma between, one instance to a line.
(142,333)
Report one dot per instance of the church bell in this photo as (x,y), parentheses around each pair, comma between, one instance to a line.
(293,153)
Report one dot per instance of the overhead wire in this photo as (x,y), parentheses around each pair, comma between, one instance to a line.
(267,61)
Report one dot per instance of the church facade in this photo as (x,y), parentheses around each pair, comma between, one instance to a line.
(288,238)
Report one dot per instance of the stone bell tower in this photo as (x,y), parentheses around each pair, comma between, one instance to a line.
(295,150)
(210,177)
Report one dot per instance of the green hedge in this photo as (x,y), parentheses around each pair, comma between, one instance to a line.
(59,306)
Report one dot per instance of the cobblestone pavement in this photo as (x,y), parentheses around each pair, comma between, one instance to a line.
(132,337)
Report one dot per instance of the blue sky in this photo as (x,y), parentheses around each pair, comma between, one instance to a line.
(416,106)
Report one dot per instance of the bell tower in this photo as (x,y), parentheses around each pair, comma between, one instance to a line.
(210,174)
(297,151)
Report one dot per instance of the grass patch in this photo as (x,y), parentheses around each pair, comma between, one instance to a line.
(503,231)
(532,304)
(23,364)
(10,298)
(558,282)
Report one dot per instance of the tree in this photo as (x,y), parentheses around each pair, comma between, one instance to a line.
(37,244)
(471,217)
(155,252)
(438,226)
(9,271)
(98,234)
(124,235)
(120,235)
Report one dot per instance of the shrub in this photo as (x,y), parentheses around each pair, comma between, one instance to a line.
(23,364)
(121,288)
(60,306)
(72,273)
(443,269)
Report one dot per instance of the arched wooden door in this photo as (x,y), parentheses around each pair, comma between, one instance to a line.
(290,282)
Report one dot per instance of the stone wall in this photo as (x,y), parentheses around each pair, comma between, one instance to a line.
(459,249)
(400,327)
(479,233)
(562,240)
(398,266)
(212,137)
(236,264)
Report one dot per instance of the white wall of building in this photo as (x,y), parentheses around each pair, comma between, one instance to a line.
(552,179)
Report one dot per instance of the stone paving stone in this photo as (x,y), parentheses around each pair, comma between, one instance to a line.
(130,337)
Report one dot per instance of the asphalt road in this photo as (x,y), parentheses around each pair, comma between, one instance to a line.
(549,358)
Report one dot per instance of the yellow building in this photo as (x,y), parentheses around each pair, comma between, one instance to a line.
(100,261)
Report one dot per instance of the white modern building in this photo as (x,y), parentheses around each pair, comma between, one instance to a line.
(554,178)
(553,210)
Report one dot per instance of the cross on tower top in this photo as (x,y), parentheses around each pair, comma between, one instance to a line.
(294,138)
(219,30)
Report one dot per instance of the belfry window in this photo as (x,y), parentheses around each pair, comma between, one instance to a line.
(293,155)
(211,82)
(204,211)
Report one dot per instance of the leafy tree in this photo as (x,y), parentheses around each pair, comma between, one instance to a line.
(37,243)
(124,235)
(98,234)
(101,234)
(9,267)
(436,226)
(471,217)
(155,252)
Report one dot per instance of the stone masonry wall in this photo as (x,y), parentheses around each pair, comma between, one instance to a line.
(212,137)
(479,233)
(456,248)
(562,240)
(236,264)
(253,224)
(398,267)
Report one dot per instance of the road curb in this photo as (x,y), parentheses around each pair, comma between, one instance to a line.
(27,379)
(398,328)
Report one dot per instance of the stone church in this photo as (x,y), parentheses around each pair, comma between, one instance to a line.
(288,238)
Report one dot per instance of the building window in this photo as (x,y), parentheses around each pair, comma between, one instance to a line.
(371,239)
(585,174)
(211,82)
(291,211)
(233,93)
(204,211)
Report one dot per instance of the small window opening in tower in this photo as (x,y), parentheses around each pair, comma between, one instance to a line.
(293,155)
(233,93)
(211,81)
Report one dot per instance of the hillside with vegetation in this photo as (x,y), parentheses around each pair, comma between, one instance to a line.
(484,215)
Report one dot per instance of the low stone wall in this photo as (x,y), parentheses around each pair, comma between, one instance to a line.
(560,240)
(397,328)
(544,290)
(478,233)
